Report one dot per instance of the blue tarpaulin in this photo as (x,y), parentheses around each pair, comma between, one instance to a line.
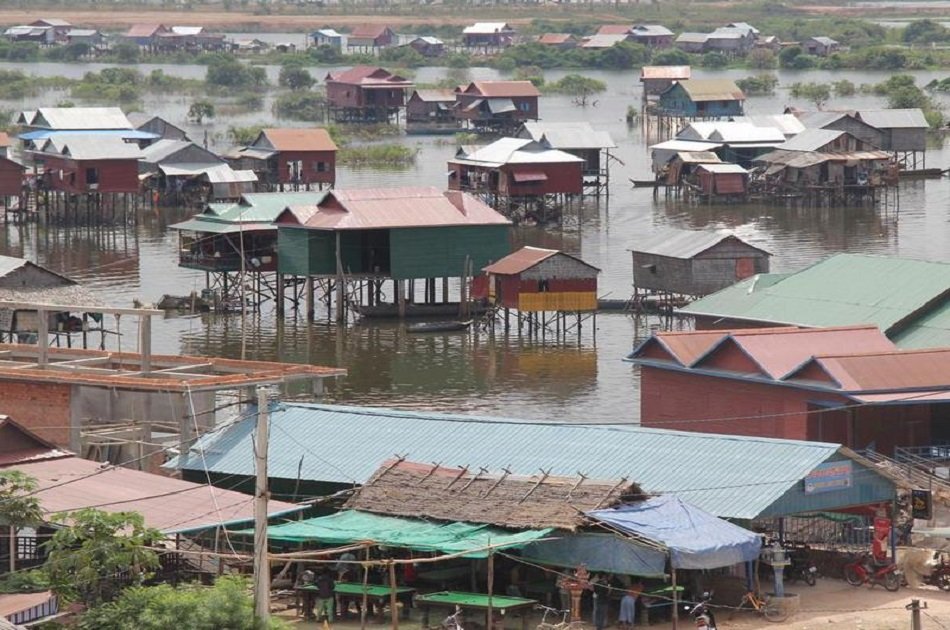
(607,553)
(695,539)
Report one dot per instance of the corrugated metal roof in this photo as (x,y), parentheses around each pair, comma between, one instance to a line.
(825,41)
(614,29)
(93,147)
(163,149)
(388,208)
(187,30)
(435,96)
(811,140)
(215,173)
(731,132)
(700,90)
(692,38)
(555,38)
(890,370)
(299,139)
(126,134)
(487,28)
(369,76)
(685,145)
(740,477)
(369,31)
(726,32)
(143,30)
(10,263)
(81,118)
(665,72)
(683,243)
(502,89)
(169,505)
(723,169)
(789,124)
(651,30)
(604,40)
(841,290)
(930,331)
(894,118)
(515,151)
(526,258)
(819,120)
(698,157)
(568,135)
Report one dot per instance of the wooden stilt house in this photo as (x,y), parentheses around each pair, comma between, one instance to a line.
(534,280)
(365,94)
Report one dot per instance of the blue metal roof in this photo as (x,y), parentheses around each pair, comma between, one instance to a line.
(729,476)
(128,134)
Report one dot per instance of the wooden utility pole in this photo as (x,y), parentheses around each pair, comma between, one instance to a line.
(261,564)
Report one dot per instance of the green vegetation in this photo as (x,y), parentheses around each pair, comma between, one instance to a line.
(225,605)
(943,85)
(402,57)
(306,106)
(226,71)
(295,77)
(816,93)
(671,57)
(378,155)
(794,58)
(200,110)
(762,59)
(925,32)
(578,87)
(19,507)
(93,548)
(902,92)
(843,88)
(122,85)
(243,136)
(24,582)
(760,85)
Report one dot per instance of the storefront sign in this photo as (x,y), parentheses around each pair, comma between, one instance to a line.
(921,504)
(828,476)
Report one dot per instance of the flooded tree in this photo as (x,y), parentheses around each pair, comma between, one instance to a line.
(200,110)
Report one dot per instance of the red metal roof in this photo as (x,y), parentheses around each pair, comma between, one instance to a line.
(5,139)
(677,73)
(368,76)
(526,258)
(70,483)
(12,603)
(614,29)
(369,31)
(502,89)
(889,370)
(388,208)
(144,30)
(300,139)
(554,38)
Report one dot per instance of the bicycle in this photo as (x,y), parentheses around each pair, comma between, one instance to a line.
(764,606)
(564,624)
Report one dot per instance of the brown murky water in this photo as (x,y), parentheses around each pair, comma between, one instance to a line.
(580,379)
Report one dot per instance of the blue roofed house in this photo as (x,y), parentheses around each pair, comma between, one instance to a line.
(311,455)
(327,37)
(702,98)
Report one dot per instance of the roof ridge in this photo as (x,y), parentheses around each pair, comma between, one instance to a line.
(884,353)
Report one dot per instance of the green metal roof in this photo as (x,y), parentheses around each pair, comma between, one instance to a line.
(727,475)
(930,331)
(842,290)
(260,207)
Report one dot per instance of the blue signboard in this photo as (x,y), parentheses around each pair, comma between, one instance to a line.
(828,476)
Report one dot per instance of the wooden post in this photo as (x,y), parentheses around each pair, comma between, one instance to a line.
(261,562)
(365,603)
(339,280)
(491,587)
(309,298)
(280,294)
(392,595)
(676,614)
(42,337)
(145,342)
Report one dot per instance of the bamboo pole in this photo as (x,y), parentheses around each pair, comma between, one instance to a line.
(365,601)
(392,596)
(491,588)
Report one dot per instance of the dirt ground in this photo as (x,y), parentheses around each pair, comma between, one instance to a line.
(830,604)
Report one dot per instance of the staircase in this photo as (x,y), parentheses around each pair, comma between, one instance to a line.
(909,470)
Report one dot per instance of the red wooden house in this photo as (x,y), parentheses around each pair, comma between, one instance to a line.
(365,93)
(497,106)
(11,177)
(89,164)
(516,167)
(848,385)
(371,36)
(297,157)
(535,280)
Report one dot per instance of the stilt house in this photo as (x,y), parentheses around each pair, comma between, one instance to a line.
(517,167)
(497,106)
(658,79)
(76,163)
(702,98)
(534,279)
(293,158)
(431,112)
(365,93)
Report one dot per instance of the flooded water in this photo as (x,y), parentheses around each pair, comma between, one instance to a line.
(581,379)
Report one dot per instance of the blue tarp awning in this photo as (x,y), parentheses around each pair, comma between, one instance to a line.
(695,539)
(127,134)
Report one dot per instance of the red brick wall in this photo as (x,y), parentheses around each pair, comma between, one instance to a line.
(40,408)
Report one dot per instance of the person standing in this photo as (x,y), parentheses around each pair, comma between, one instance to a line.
(628,606)
(599,584)
(325,595)
(306,593)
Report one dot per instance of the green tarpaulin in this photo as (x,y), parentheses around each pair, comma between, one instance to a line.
(351,526)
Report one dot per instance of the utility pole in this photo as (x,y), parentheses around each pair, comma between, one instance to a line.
(914,607)
(261,564)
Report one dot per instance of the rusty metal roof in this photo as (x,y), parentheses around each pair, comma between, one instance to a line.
(614,29)
(170,505)
(665,72)
(526,258)
(502,89)
(298,139)
(390,208)
(370,31)
(712,90)
(555,38)
(369,76)
(434,95)
(891,369)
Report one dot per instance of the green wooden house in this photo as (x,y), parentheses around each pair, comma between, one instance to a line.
(390,233)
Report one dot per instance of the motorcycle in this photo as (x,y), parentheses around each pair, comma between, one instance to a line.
(940,576)
(863,570)
(702,613)
(801,566)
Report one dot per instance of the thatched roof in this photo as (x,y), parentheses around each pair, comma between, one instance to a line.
(403,488)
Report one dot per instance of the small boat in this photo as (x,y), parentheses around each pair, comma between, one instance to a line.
(646,183)
(430,327)
(924,173)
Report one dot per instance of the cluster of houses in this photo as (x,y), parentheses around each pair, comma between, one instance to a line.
(720,152)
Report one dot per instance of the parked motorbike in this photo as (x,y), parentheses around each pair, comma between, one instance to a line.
(864,570)
(702,613)
(801,566)
(940,576)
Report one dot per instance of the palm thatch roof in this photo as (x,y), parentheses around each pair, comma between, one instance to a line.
(404,488)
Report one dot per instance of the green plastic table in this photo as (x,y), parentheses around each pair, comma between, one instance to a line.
(376,593)
(475,601)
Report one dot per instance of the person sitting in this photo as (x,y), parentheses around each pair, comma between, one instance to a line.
(304,587)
